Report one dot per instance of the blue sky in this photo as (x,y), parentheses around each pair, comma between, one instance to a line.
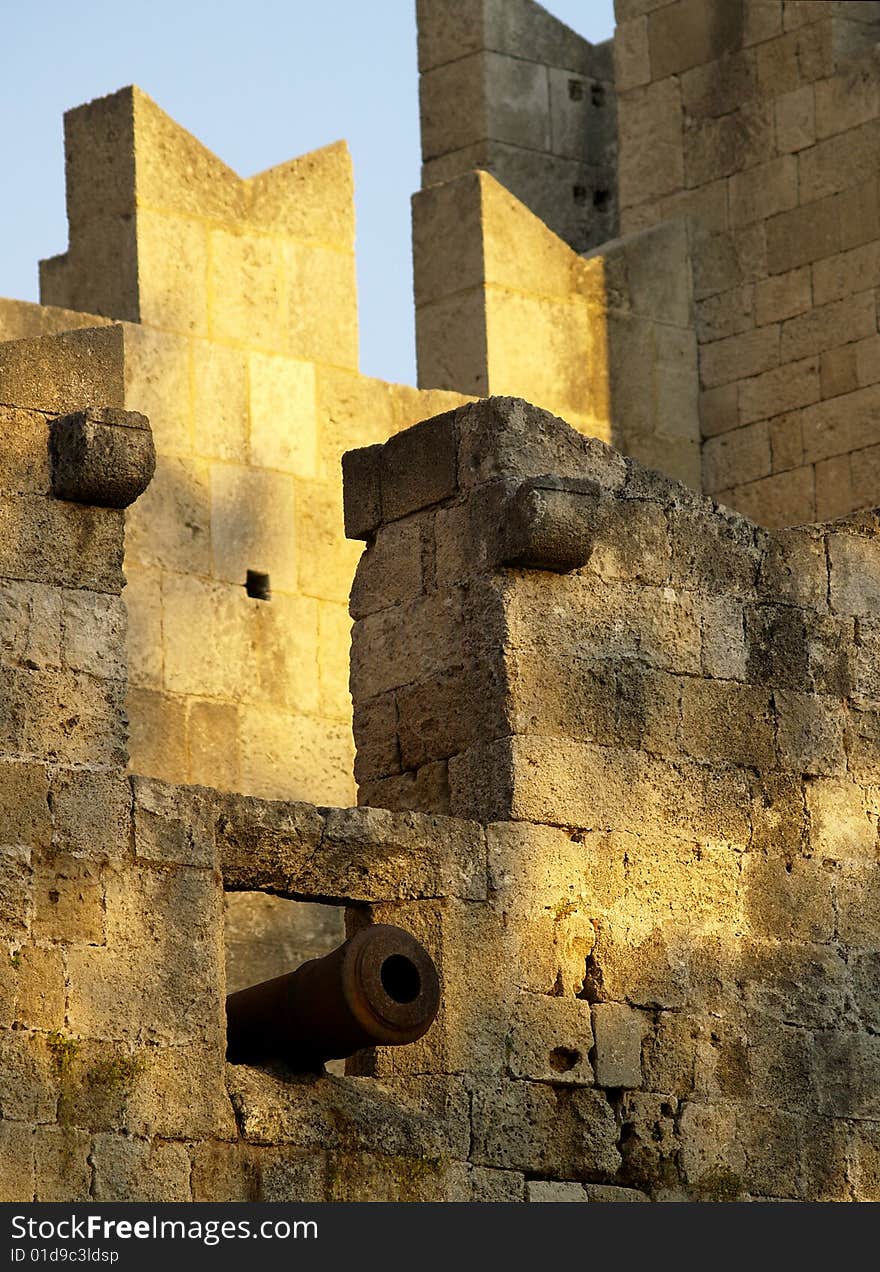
(258,83)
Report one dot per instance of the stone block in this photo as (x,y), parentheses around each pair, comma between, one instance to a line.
(68,372)
(390,570)
(786,442)
(61,1156)
(632,63)
(837,372)
(283,634)
(143,649)
(163,931)
(425,1119)
(287,756)
(212,744)
(453,105)
(334,649)
(362,491)
(867,361)
(282,415)
(764,190)
(735,457)
(51,542)
(810,733)
(172,824)
(842,824)
(17,1182)
(69,902)
(220,402)
(252,524)
(158,368)
(551,1040)
(102,457)
(547,1190)
(619,1031)
(245,283)
(210,669)
(846,1065)
(798,57)
(40,989)
(837,163)
(719,411)
(859,214)
(803,235)
(94,629)
(173,269)
(91,813)
(822,327)
(527,1125)
(789,899)
(726,313)
(73,718)
(854,574)
(785,499)
(688,34)
(844,424)
(324,331)
(796,119)
(722,147)
(716,88)
(762,19)
(838,277)
(651,155)
(25,463)
(325,568)
(737,357)
(30,1077)
(782,296)
(170,526)
(451,343)
(150,1171)
(25,816)
(724,648)
(865,1157)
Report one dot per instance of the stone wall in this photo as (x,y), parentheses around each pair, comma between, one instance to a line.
(666,716)
(759,120)
(507,88)
(239,341)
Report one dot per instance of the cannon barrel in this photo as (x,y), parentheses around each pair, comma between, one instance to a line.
(379,988)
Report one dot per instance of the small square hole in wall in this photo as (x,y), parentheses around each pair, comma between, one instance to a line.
(579,194)
(597,94)
(576,90)
(257,585)
(600,199)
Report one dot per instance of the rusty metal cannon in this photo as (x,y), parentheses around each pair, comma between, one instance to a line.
(379,988)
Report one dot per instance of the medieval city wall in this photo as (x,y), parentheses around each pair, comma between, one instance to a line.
(666,717)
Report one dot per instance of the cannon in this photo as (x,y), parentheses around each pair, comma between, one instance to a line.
(379,988)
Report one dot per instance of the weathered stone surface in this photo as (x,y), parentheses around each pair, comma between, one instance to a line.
(102,457)
(619,1031)
(558,1133)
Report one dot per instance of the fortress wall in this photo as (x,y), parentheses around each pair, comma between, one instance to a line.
(240,343)
(505,301)
(665,715)
(759,119)
(507,88)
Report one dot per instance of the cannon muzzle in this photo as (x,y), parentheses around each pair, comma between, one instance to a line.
(380,988)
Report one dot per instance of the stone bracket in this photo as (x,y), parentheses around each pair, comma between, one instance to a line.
(101,456)
(550,524)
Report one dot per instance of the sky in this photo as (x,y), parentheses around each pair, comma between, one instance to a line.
(258,83)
